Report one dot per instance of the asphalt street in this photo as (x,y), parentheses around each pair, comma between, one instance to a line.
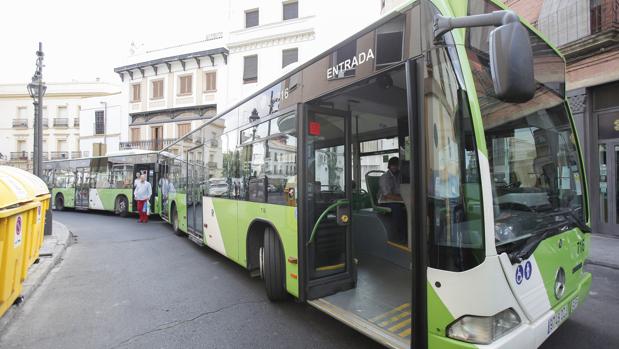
(128,285)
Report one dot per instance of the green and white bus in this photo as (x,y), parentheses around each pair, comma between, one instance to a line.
(104,182)
(473,104)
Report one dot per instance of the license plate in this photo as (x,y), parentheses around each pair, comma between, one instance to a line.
(562,314)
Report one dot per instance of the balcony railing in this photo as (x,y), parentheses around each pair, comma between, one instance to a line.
(578,20)
(76,154)
(154,144)
(214,143)
(19,155)
(20,123)
(76,122)
(45,122)
(59,155)
(44,155)
(61,122)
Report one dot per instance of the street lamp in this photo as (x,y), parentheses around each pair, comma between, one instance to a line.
(254,116)
(37,89)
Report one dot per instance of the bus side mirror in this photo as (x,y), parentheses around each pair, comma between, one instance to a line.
(511,55)
(511,63)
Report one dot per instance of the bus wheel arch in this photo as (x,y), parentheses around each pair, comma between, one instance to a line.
(121,205)
(266,258)
(174,219)
(59,202)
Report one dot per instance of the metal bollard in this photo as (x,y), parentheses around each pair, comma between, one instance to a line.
(47,230)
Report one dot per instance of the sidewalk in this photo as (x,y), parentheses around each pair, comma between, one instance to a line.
(52,250)
(604,251)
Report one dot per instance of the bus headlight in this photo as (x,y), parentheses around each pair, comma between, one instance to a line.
(483,329)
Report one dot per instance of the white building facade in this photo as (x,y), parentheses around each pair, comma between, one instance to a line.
(62,107)
(267,38)
(103,124)
(171,91)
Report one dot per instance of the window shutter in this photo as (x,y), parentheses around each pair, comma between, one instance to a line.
(250,69)
(291,10)
(252,18)
(185,84)
(210,81)
(290,56)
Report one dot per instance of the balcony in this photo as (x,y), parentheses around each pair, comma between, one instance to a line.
(76,122)
(76,154)
(44,156)
(156,144)
(212,164)
(45,122)
(213,143)
(20,123)
(581,27)
(61,122)
(59,155)
(19,155)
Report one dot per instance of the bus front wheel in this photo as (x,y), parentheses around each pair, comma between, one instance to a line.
(273,267)
(59,203)
(122,206)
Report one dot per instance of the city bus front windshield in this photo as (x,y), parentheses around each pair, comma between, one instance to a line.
(532,151)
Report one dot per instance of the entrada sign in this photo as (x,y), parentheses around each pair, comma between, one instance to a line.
(349,64)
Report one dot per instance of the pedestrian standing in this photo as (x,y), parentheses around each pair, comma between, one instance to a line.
(142,193)
(136,180)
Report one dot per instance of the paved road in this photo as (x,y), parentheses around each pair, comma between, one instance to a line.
(129,285)
(125,285)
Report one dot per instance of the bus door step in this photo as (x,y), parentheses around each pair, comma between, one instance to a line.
(196,238)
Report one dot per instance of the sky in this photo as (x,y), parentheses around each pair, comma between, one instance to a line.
(84,40)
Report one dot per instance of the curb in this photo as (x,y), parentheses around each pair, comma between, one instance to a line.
(602,264)
(56,245)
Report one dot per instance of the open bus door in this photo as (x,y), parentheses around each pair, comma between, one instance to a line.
(196,173)
(151,177)
(82,188)
(385,301)
(163,188)
(330,266)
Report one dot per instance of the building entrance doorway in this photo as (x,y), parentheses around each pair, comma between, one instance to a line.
(608,155)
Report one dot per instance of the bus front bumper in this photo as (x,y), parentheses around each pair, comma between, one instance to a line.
(532,334)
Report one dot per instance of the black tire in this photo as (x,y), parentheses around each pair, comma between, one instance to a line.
(174,220)
(59,202)
(274,267)
(122,206)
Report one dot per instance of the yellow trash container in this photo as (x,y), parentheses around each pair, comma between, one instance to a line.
(37,188)
(18,212)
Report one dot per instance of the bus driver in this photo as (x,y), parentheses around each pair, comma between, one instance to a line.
(389,196)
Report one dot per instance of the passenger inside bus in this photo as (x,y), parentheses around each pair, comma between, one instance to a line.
(389,196)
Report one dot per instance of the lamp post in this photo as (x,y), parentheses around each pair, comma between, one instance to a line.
(36,89)
(253,118)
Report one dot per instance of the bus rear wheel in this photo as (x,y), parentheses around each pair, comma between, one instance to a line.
(174,218)
(272,266)
(122,206)
(59,202)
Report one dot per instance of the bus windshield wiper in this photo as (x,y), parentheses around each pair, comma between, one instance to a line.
(526,248)
(572,218)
